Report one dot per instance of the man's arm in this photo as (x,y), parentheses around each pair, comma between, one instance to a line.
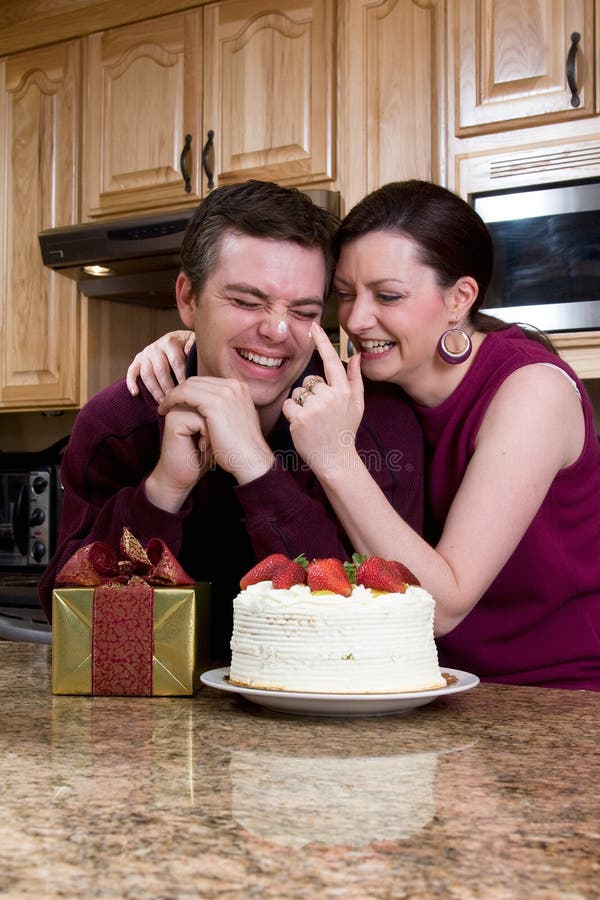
(114,445)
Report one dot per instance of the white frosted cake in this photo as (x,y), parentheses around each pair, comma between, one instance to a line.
(369,642)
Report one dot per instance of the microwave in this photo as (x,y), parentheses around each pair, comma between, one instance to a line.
(546,254)
(30,503)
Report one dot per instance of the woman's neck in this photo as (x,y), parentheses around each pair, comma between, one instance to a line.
(433,387)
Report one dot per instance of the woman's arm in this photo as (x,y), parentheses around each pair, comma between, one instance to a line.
(532,429)
(158,362)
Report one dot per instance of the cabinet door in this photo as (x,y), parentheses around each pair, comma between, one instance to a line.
(268,76)
(519,62)
(144,96)
(387,86)
(39,312)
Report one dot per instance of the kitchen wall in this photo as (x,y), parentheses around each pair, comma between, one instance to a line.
(33,430)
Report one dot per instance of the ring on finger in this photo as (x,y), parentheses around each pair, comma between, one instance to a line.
(300,398)
(312,380)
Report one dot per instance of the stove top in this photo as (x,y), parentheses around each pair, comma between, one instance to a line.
(19,589)
(21,616)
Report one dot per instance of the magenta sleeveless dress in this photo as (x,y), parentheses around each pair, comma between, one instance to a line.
(539,622)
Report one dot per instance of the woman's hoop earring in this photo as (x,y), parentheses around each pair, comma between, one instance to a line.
(453,357)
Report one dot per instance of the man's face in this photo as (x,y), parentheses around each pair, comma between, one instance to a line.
(253,317)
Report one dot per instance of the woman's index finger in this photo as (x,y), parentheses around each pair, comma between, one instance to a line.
(332,364)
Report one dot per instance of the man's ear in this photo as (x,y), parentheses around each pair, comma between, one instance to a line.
(185,300)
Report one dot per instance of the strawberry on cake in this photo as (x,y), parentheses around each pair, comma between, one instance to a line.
(330,627)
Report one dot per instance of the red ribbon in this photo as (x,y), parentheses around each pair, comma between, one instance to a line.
(122,618)
(122,638)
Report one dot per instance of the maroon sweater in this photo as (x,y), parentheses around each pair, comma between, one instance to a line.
(539,621)
(223,528)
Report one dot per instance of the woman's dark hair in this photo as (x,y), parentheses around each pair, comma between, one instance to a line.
(451,238)
(258,209)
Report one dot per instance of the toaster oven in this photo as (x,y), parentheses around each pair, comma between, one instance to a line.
(30,499)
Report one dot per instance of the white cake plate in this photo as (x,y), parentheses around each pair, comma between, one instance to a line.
(312,704)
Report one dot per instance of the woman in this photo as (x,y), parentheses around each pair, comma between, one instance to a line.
(512,547)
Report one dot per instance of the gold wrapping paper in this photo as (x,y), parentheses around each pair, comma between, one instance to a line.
(180,627)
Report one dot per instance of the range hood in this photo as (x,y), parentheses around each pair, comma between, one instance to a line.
(139,255)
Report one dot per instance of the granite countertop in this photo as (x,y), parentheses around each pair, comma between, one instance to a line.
(492,793)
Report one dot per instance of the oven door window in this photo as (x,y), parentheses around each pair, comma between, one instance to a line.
(546,254)
(546,259)
(14,519)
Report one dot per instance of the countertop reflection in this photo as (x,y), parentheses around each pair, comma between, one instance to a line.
(487,794)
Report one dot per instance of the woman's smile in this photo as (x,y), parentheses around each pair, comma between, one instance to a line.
(373,348)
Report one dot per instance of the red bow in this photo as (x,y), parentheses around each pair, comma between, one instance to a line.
(98,563)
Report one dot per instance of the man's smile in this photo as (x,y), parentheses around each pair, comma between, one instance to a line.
(269,362)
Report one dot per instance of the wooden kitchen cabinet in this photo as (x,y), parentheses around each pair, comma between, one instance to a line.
(144,95)
(514,60)
(581,349)
(250,83)
(268,89)
(387,90)
(39,310)
(56,347)
(388,69)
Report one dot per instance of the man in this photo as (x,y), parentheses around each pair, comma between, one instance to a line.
(212,470)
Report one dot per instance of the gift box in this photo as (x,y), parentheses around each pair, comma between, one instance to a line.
(134,626)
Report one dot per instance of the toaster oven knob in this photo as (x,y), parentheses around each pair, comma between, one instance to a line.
(38,550)
(39,484)
(37,516)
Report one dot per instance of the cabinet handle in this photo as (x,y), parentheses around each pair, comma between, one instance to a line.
(208,160)
(184,160)
(571,69)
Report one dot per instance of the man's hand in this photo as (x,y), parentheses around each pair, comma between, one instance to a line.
(185,457)
(230,423)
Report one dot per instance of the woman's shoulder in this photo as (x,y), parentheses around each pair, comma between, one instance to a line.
(520,344)
(510,351)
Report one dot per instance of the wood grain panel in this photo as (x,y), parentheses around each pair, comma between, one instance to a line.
(512,58)
(387,86)
(25,24)
(39,310)
(268,94)
(117,331)
(145,95)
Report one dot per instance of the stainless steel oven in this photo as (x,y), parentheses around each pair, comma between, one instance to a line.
(30,508)
(29,501)
(546,254)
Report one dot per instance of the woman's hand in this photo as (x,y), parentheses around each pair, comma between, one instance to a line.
(324,415)
(157,363)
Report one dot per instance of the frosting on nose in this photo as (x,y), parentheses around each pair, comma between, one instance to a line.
(282,327)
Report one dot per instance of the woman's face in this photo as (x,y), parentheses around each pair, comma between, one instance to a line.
(391,307)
